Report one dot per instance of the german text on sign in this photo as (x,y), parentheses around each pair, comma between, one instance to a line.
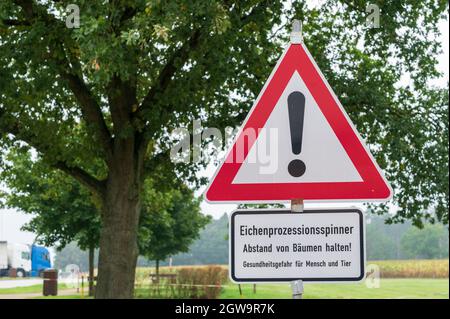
(278,245)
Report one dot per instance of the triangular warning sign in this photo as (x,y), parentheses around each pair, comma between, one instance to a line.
(297,142)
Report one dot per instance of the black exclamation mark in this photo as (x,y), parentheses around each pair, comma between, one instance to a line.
(296,109)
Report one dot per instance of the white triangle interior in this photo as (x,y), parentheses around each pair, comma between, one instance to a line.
(325,158)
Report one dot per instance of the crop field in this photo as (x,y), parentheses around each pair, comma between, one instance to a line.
(413,268)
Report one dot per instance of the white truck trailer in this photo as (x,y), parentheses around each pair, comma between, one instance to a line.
(15,256)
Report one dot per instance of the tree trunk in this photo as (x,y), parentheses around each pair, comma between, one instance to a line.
(91,271)
(118,237)
(157,270)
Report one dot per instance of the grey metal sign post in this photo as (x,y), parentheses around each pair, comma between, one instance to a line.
(297,285)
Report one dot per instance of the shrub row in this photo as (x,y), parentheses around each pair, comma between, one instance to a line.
(196,282)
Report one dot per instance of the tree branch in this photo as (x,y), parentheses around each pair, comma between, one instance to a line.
(15,23)
(162,83)
(259,7)
(122,99)
(95,185)
(169,69)
(90,108)
(151,164)
(83,177)
(181,55)
(128,11)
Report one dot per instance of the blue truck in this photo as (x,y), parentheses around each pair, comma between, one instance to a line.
(25,260)
(40,260)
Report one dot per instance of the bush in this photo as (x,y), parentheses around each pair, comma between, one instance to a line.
(200,282)
(194,282)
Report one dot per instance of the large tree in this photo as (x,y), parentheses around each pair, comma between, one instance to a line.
(97,102)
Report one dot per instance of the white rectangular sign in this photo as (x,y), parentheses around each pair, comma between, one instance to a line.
(279,245)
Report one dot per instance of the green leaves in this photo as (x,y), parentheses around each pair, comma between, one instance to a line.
(170,222)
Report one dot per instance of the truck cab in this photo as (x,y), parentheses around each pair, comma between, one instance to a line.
(40,260)
(18,257)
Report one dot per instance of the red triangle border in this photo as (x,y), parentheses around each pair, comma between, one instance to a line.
(374,186)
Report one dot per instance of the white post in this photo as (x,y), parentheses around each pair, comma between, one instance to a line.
(296,34)
(297,205)
(297,285)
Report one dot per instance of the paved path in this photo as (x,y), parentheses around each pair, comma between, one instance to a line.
(14,283)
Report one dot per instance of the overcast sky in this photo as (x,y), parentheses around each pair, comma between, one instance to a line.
(11,220)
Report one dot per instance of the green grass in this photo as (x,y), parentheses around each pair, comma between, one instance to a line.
(21,290)
(389,288)
(26,290)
